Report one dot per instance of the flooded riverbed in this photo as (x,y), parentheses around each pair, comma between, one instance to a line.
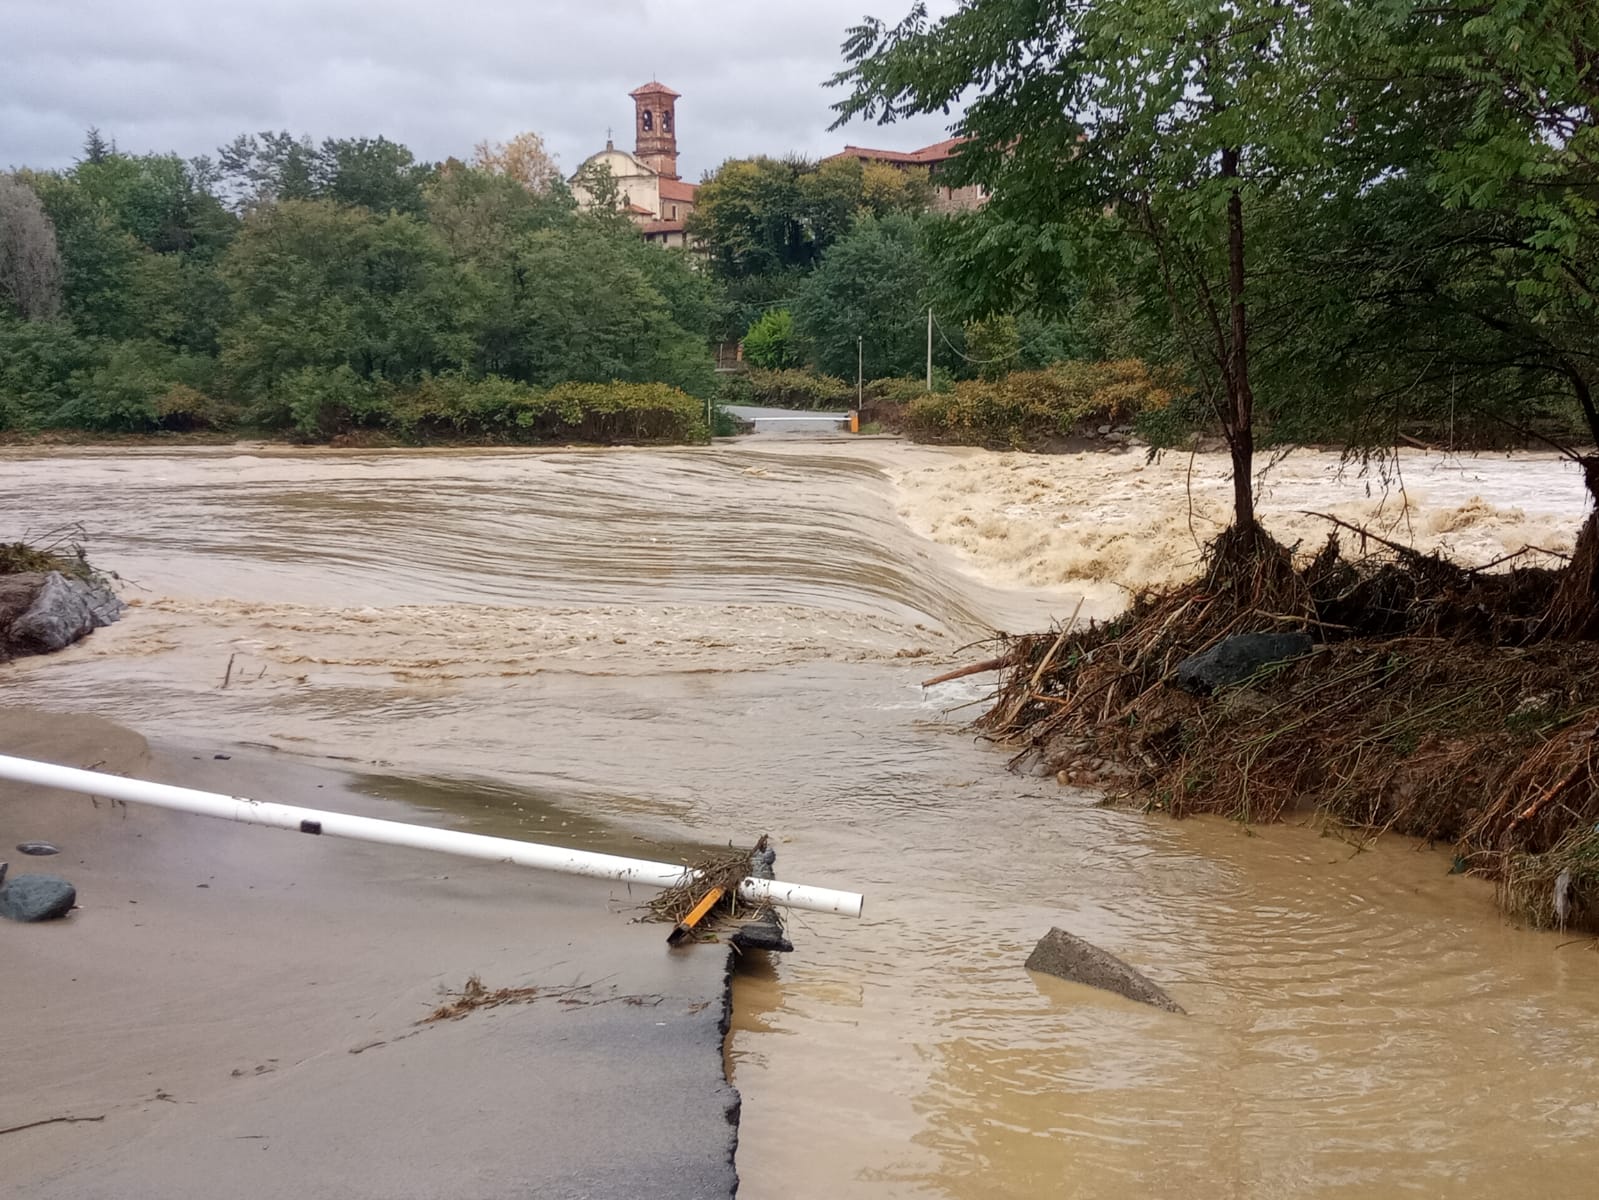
(707,645)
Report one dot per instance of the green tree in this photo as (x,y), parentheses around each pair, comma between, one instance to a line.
(316,285)
(872,286)
(766,216)
(574,304)
(771,342)
(372,172)
(1127,140)
(480,213)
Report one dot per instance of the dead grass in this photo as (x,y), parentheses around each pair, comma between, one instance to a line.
(58,549)
(1434,706)
(725,871)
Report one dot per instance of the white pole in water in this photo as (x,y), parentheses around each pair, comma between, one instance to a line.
(398,833)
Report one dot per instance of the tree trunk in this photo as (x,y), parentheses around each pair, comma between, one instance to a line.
(1240,424)
(1574,612)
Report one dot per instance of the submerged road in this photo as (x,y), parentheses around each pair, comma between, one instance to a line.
(237,1011)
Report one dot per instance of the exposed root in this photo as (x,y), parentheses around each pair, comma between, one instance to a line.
(1436,706)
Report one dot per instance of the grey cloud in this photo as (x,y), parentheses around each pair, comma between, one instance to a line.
(188,75)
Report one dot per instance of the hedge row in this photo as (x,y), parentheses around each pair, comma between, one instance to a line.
(126,395)
(1032,408)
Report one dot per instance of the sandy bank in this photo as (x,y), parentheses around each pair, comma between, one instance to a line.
(240,1007)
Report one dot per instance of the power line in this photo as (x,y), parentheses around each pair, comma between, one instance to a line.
(976,362)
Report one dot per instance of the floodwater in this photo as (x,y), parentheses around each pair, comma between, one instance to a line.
(706,645)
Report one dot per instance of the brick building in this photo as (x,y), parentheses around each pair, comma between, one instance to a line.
(945,199)
(653,194)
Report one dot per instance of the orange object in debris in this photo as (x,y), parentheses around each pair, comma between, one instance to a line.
(685,927)
(854,421)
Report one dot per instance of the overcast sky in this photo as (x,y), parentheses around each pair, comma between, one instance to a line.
(188,75)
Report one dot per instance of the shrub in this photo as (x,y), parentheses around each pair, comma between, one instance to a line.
(183,409)
(606,412)
(1036,407)
(38,360)
(800,389)
(735,387)
(127,392)
(453,406)
(770,342)
(322,401)
(502,410)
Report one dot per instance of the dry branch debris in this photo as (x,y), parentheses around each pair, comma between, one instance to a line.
(1437,705)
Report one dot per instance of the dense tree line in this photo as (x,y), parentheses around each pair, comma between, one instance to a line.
(316,287)
(286,285)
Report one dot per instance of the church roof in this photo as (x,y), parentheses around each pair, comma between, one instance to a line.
(676,189)
(654,88)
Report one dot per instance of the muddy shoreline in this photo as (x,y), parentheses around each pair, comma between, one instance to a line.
(225,994)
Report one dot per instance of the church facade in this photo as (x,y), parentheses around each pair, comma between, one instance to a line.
(653,194)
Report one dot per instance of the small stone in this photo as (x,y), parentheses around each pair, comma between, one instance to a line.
(38,848)
(37,898)
(1103,430)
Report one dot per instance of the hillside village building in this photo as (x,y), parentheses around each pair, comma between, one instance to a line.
(653,194)
(659,201)
(945,199)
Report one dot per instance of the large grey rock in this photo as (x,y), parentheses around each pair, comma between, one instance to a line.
(1235,659)
(37,898)
(63,610)
(1059,953)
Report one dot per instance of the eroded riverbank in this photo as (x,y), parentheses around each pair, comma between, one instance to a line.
(1362,1022)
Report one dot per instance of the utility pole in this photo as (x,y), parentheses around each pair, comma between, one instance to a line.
(929,347)
(860,387)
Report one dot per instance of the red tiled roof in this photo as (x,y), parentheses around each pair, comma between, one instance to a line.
(662,227)
(638,210)
(654,88)
(677,189)
(927,156)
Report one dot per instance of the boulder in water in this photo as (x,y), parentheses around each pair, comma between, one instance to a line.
(1059,953)
(36,897)
(61,611)
(1235,659)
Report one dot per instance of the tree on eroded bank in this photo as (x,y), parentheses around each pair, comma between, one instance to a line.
(1337,217)
(1140,144)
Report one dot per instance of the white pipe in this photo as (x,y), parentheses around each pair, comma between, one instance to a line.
(398,833)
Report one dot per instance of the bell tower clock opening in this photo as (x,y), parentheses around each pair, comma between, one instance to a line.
(655,126)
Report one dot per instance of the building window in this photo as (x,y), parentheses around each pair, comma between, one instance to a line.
(674,212)
(666,122)
(647,119)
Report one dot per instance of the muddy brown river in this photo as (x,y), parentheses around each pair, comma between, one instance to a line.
(699,646)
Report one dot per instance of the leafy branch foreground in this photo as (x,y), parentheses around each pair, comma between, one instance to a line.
(1434,705)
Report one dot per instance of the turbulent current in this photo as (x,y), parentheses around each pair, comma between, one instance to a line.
(700,646)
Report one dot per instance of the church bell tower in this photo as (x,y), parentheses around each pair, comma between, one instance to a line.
(655,128)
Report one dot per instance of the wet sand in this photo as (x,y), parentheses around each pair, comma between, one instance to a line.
(240,1006)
